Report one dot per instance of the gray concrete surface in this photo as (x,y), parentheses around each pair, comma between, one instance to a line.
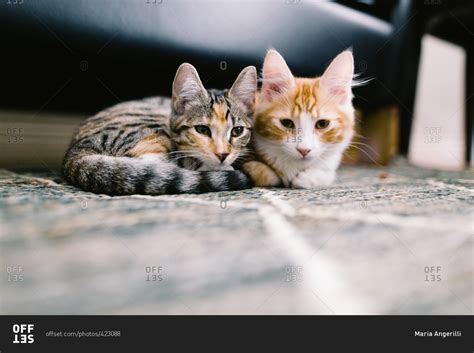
(395,240)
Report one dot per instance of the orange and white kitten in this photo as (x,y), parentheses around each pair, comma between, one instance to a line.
(302,125)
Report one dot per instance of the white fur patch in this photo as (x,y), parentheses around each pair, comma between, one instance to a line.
(218,179)
(189,181)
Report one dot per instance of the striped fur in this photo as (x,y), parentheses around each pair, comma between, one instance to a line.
(152,146)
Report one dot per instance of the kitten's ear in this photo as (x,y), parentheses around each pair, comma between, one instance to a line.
(277,77)
(337,79)
(245,87)
(187,87)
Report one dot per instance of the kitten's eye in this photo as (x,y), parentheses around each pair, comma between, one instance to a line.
(322,124)
(288,123)
(237,131)
(203,129)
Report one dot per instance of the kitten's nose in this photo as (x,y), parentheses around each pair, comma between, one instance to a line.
(222,156)
(303,151)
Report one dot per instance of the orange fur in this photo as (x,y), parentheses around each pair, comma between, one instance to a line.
(220,111)
(302,125)
(261,174)
(304,98)
(151,144)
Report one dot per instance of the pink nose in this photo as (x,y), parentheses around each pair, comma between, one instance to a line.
(303,151)
(221,156)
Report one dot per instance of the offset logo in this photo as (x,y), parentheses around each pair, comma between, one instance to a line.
(23,333)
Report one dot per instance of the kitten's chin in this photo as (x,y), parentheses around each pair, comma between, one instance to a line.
(224,167)
(207,167)
(295,156)
(306,159)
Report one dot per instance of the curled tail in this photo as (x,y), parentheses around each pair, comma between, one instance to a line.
(149,174)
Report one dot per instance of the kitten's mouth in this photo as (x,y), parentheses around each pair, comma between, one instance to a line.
(211,164)
(306,158)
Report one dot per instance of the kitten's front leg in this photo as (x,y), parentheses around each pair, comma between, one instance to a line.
(261,174)
(314,177)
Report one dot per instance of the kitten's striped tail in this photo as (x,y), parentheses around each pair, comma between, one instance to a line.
(149,174)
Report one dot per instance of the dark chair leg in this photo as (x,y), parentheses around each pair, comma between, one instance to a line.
(406,48)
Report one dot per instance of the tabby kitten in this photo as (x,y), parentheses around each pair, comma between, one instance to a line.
(302,125)
(141,147)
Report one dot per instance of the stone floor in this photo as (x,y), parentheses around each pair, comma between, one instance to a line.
(396,240)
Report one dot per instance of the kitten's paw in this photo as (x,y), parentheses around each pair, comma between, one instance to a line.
(313,179)
(261,174)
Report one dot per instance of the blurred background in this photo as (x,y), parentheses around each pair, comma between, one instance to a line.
(66,59)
